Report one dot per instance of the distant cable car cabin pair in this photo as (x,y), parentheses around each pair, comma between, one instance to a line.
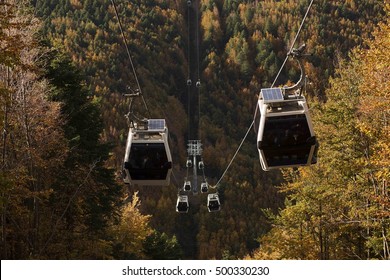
(148,159)
(285,136)
(213,203)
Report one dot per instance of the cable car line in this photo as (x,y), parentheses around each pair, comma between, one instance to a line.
(138,91)
(194,147)
(194,77)
(234,156)
(197,43)
(189,80)
(198,82)
(293,43)
(289,52)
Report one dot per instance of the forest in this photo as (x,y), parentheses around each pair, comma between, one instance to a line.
(64,70)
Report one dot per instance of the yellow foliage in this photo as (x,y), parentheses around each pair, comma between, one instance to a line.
(133,227)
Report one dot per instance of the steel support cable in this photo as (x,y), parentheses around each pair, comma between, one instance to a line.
(189,111)
(291,48)
(197,59)
(293,43)
(253,121)
(199,130)
(235,154)
(187,174)
(176,181)
(197,37)
(189,82)
(188,41)
(204,174)
(198,65)
(129,56)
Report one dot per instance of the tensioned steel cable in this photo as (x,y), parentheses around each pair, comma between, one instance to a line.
(129,56)
(291,48)
(293,43)
(189,82)
(198,64)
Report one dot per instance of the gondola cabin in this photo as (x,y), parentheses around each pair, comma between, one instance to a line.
(285,136)
(182,205)
(213,203)
(204,187)
(187,186)
(148,159)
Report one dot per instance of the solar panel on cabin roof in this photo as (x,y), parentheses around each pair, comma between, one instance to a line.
(272,94)
(156,124)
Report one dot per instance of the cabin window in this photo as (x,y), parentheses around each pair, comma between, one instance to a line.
(148,161)
(286,131)
(286,140)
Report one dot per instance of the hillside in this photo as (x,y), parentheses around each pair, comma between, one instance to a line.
(242,46)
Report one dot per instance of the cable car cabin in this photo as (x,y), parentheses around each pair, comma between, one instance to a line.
(187,186)
(204,187)
(213,203)
(182,204)
(148,159)
(285,136)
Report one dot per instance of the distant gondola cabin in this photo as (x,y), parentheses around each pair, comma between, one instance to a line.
(182,204)
(213,203)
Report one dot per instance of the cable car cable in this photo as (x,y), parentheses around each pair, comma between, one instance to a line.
(189,82)
(197,35)
(198,84)
(234,156)
(188,44)
(291,49)
(129,56)
(293,43)
(193,64)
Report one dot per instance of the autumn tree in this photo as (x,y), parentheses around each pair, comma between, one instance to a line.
(86,193)
(131,232)
(33,144)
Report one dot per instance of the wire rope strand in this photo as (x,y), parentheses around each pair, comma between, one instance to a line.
(198,66)
(197,37)
(189,112)
(188,41)
(199,124)
(187,174)
(176,181)
(189,73)
(235,154)
(294,41)
(129,56)
(204,174)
